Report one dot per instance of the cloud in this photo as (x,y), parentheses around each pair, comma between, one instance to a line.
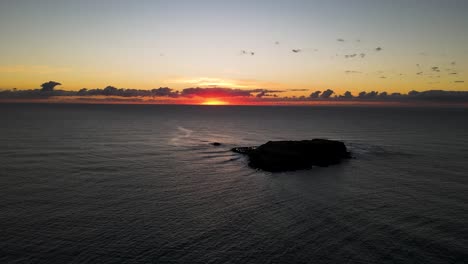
(296,50)
(350,56)
(361,55)
(298,90)
(206,82)
(327,93)
(49,86)
(226,92)
(122,92)
(261,94)
(352,72)
(244,52)
(431,96)
(219,82)
(368,95)
(340,40)
(378,49)
(315,94)
(347,95)
(165,94)
(439,96)
(436,69)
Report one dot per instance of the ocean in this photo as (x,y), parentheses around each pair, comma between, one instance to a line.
(142,184)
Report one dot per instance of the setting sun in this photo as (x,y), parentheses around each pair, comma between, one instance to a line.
(214,102)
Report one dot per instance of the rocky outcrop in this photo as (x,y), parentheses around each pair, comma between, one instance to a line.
(275,156)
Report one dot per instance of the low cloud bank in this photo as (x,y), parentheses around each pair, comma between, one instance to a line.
(49,90)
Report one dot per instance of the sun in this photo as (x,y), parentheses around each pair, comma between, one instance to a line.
(214,102)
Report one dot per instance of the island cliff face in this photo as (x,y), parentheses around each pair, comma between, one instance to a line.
(276,156)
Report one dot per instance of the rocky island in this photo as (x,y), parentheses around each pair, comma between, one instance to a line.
(277,156)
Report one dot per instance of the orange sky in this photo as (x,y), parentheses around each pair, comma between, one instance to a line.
(297,47)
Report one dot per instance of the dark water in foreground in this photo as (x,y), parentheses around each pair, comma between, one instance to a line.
(141,184)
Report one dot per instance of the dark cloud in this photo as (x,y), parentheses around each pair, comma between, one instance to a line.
(265,92)
(245,52)
(378,49)
(419,73)
(122,92)
(413,96)
(296,50)
(459,81)
(327,93)
(315,94)
(49,86)
(435,68)
(367,95)
(347,95)
(413,93)
(340,40)
(261,94)
(350,56)
(439,96)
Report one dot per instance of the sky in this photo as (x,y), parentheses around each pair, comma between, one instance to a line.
(293,46)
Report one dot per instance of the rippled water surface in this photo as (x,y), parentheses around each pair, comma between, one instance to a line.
(142,184)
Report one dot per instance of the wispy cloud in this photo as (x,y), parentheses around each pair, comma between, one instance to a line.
(219,82)
(213,82)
